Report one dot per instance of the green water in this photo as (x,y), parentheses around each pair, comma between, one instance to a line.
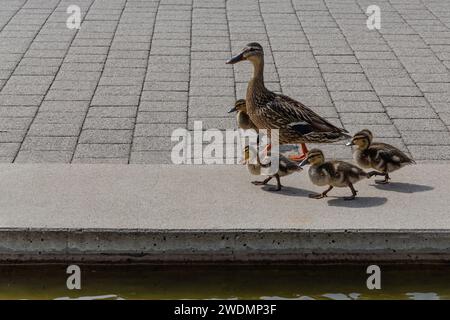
(224,282)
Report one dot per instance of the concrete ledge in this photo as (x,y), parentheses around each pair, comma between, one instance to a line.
(164,213)
(224,246)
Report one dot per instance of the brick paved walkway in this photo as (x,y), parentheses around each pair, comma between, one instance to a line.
(114,90)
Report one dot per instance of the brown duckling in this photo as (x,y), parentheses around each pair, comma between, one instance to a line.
(381,157)
(242,119)
(332,173)
(285,167)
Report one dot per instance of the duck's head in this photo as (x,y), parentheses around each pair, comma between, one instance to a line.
(239,106)
(253,52)
(314,157)
(362,139)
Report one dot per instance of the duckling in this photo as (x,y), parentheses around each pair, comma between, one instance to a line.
(285,168)
(242,119)
(297,124)
(382,157)
(332,173)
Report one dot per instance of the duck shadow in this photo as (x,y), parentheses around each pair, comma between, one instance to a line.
(359,202)
(287,191)
(403,187)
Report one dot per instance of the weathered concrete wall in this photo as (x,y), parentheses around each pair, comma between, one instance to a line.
(224,245)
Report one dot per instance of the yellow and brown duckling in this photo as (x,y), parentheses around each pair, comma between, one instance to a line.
(297,124)
(242,119)
(381,157)
(254,166)
(332,174)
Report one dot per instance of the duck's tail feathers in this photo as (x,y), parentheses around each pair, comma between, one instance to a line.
(337,136)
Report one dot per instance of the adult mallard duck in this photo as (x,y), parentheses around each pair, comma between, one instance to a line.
(254,165)
(379,156)
(332,173)
(297,124)
(242,119)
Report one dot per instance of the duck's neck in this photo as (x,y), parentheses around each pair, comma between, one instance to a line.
(258,70)
(257,81)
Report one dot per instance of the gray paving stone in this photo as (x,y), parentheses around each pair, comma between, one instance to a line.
(445,117)
(36,156)
(112,112)
(427,138)
(354,96)
(14,123)
(358,106)
(403,101)
(419,124)
(49,143)
(59,117)
(365,118)
(117,100)
(379,131)
(102,151)
(161,117)
(20,100)
(152,144)
(411,113)
(106,136)
(54,130)
(17,111)
(109,123)
(398,91)
(9,149)
(123,160)
(422,152)
(64,106)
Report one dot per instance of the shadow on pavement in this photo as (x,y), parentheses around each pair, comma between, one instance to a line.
(359,202)
(403,187)
(288,191)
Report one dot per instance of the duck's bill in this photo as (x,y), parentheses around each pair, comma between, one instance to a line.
(236,58)
(349,144)
(232,110)
(303,163)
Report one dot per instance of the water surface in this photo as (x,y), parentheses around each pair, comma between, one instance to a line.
(224,282)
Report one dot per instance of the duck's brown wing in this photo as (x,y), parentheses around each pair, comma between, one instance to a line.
(285,112)
(389,153)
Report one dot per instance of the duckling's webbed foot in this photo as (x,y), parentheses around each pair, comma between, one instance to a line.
(261,183)
(278,188)
(354,193)
(321,195)
(317,196)
(386,179)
